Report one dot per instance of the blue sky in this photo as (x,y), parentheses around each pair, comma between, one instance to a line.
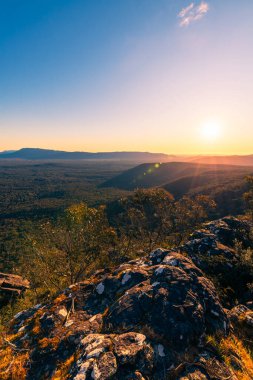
(126,74)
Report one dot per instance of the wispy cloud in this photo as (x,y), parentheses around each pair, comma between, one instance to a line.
(193,13)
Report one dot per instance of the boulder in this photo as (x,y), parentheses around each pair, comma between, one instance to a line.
(212,249)
(11,287)
(103,356)
(126,322)
(242,319)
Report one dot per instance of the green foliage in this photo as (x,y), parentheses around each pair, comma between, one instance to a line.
(147,218)
(189,213)
(33,193)
(60,252)
(8,311)
(245,267)
(83,239)
(35,190)
(248,196)
(151,218)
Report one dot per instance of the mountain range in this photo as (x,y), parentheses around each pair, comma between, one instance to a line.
(49,154)
(139,157)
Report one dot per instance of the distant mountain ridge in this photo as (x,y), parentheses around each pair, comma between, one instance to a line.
(7,152)
(49,154)
(138,157)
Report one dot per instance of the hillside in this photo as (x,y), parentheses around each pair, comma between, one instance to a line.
(245,160)
(163,316)
(138,157)
(170,174)
(225,184)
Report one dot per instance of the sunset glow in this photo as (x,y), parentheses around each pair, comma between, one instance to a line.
(211,131)
(127,75)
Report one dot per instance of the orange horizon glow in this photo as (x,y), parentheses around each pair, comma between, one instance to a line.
(118,148)
(169,84)
(198,139)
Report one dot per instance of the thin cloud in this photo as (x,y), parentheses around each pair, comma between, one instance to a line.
(193,13)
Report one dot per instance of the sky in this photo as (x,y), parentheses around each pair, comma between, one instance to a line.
(166,76)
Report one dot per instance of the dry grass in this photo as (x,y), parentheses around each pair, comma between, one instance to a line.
(13,364)
(235,355)
(36,329)
(62,371)
(52,342)
(234,348)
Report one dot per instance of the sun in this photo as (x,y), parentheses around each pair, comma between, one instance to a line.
(211,131)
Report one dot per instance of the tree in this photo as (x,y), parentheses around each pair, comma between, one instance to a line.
(248,196)
(62,253)
(190,213)
(143,220)
(150,218)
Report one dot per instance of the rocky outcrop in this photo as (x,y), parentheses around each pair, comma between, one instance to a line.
(241,314)
(147,319)
(130,321)
(11,287)
(241,318)
(212,249)
(217,240)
